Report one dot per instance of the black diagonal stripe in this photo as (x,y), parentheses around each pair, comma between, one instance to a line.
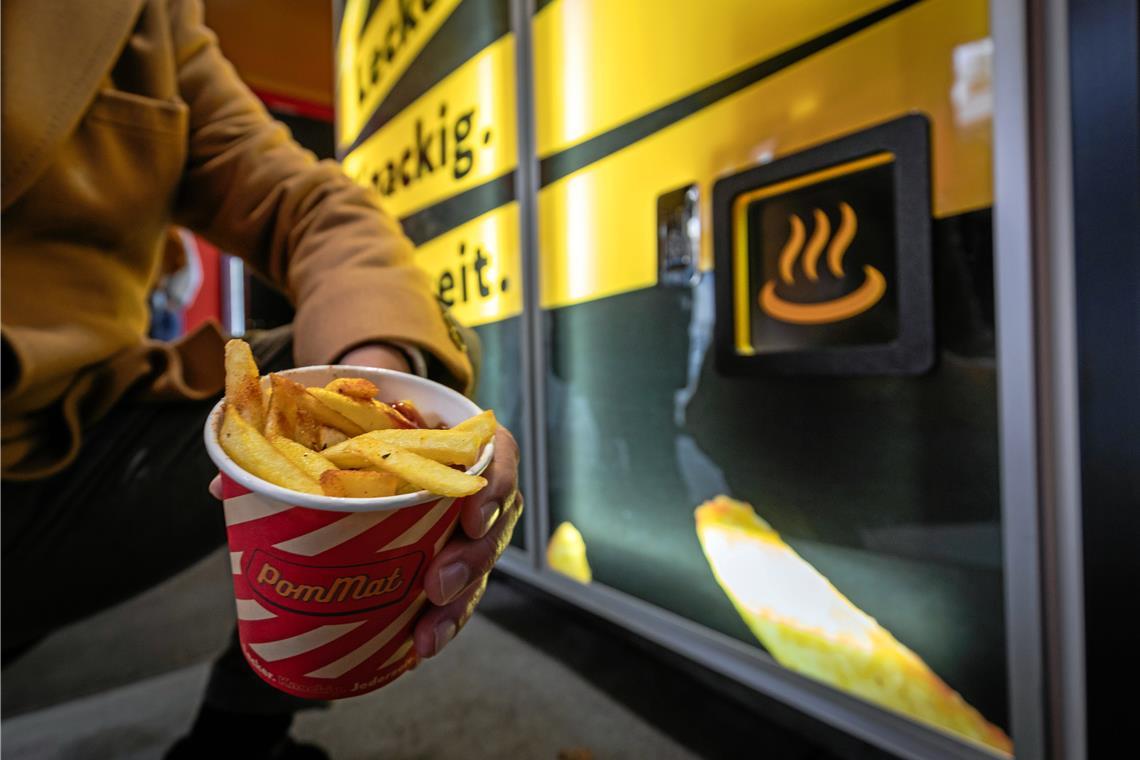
(433,221)
(557,166)
(540,4)
(472,26)
(372,6)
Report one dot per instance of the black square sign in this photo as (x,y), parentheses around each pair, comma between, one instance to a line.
(823,259)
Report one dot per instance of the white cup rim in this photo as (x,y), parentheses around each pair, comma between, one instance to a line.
(334,503)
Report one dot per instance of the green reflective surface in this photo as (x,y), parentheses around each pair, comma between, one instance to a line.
(886,485)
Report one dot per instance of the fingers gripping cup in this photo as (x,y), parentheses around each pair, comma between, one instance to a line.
(328,589)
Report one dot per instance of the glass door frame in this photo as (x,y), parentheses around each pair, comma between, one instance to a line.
(1033,249)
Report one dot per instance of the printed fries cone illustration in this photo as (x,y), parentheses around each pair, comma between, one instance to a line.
(328,588)
(807,625)
(566,553)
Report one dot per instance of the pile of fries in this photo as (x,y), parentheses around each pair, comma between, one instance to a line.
(339,440)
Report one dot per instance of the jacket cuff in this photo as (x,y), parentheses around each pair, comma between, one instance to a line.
(338,316)
(415,357)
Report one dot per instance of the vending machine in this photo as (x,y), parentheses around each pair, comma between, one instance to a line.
(748,299)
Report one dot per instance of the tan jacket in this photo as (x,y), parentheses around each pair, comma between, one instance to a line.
(119,118)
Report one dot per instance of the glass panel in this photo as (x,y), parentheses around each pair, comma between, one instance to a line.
(813,471)
(427,118)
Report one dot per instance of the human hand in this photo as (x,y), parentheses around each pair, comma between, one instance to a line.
(456,579)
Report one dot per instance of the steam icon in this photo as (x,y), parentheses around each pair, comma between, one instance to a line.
(824,312)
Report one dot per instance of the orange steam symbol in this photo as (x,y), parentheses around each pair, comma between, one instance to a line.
(856,302)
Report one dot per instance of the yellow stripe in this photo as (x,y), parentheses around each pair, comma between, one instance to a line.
(597,226)
(791,249)
(819,237)
(465,126)
(843,238)
(814,178)
(603,62)
(493,237)
(856,302)
(359,60)
(740,288)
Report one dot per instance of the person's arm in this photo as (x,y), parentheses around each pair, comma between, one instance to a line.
(251,190)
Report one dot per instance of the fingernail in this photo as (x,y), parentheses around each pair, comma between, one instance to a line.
(489,512)
(452,580)
(444,632)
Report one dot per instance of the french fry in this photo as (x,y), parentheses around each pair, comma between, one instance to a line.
(340,440)
(243,384)
(330,436)
(308,461)
(358,484)
(329,417)
(444,446)
(422,472)
(353,387)
(287,415)
(368,414)
(483,425)
(249,449)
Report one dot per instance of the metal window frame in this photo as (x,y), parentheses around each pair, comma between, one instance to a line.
(1034,278)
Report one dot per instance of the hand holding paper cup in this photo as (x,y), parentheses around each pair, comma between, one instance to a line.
(335,504)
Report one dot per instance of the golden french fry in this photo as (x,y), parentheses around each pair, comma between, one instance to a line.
(422,472)
(368,414)
(249,449)
(483,425)
(287,414)
(358,484)
(330,436)
(444,446)
(307,460)
(406,487)
(353,387)
(329,417)
(243,384)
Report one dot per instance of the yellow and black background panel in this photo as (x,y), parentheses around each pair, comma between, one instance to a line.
(888,485)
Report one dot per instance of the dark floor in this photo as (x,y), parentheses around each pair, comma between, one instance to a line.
(529,678)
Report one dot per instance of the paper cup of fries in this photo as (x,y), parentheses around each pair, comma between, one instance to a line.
(328,587)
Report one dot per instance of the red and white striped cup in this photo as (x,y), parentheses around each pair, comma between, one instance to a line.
(328,589)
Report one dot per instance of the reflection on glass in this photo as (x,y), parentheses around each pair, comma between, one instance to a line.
(886,486)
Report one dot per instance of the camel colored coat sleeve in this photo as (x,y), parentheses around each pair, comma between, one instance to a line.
(250,189)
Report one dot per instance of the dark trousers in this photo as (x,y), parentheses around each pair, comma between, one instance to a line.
(130,513)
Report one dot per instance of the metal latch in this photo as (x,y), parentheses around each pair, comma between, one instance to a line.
(678,237)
